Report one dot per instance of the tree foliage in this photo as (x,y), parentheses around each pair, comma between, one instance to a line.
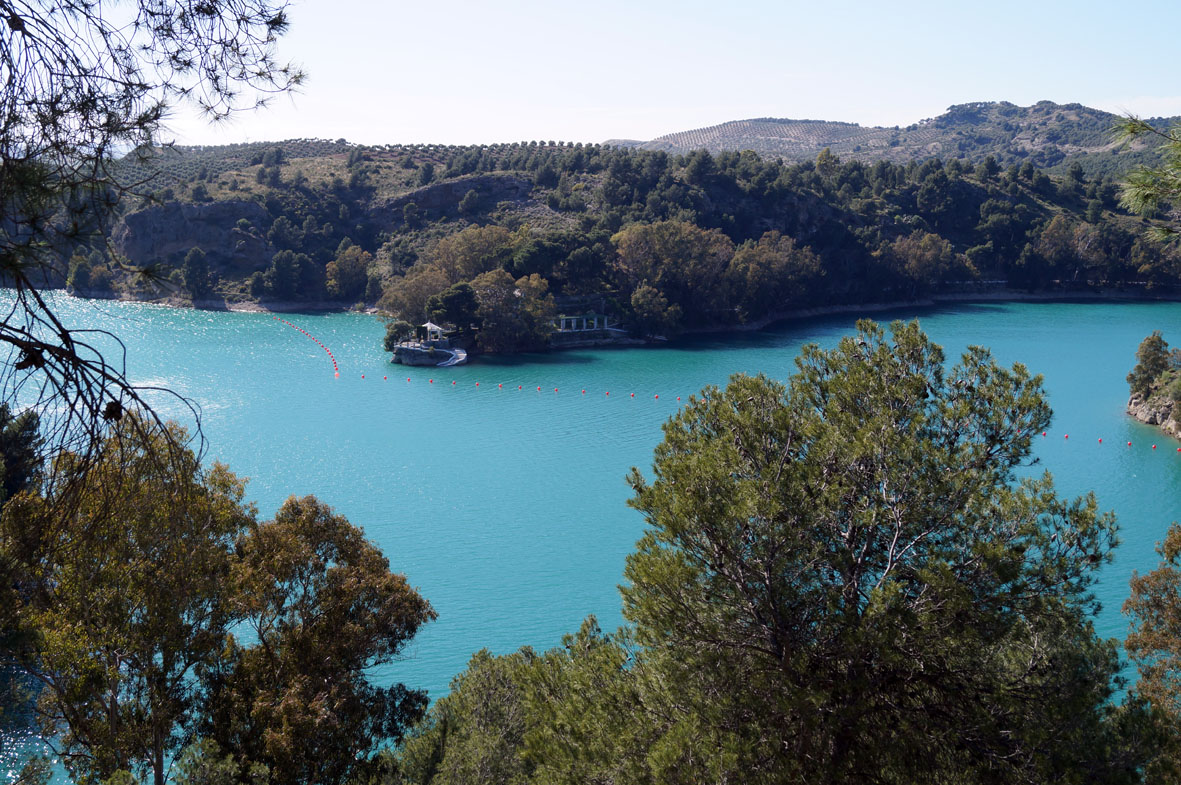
(1155,190)
(20,452)
(855,551)
(455,305)
(126,614)
(513,315)
(844,579)
(1154,645)
(348,274)
(195,274)
(1152,360)
(322,607)
(678,259)
(121,602)
(82,83)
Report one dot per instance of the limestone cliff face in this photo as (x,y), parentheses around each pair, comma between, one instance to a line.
(165,233)
(1156,409)
(443,198)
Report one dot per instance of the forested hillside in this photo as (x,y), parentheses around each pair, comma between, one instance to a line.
(1047,134)
(661,242)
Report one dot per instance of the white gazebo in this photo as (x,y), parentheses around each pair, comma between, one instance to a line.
(430,332)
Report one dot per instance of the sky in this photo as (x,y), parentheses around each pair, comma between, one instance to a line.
(467,72)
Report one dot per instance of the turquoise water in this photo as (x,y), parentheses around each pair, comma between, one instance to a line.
(506,507)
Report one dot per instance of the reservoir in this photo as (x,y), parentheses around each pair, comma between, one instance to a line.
(505,504)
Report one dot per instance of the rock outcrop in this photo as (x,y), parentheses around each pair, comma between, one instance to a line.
(1156,409)
(443,198)
(165,233)
(417,355)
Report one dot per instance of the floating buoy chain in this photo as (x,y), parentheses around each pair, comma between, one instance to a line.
(331,356)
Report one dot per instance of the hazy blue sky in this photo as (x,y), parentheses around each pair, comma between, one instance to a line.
(459,71)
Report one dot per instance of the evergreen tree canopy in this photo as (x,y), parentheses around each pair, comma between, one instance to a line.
(844,581)
(1152,360)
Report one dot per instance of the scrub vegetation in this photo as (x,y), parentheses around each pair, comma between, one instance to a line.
(661,242)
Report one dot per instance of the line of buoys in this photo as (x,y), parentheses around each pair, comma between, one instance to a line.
(331,356)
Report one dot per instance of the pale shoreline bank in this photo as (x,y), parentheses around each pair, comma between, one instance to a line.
(930,301)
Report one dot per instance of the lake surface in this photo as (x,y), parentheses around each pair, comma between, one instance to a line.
(506,505)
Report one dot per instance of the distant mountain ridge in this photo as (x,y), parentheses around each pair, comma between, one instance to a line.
(1049,135)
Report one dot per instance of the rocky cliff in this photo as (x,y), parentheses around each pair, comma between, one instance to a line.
(442,199)
(1156,409)
(165,233)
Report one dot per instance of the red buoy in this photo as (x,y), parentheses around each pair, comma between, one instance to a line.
(477,384)
(500,385)
(584,392)
(1066,436)
(338,374)
(658,397)
(1101,441)
(362,376)
(1154,446)
(1129,444)
(539,388)
(1043,433)
(555,389)
(633,395)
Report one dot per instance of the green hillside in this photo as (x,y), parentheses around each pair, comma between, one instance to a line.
(1049,135)
(496,239)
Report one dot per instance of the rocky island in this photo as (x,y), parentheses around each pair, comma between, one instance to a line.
(1156,385)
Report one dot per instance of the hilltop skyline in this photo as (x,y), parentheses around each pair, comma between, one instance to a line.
(459,72)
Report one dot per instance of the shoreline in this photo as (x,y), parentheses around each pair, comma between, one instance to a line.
(223,306)
(1138,294)
(935,300)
